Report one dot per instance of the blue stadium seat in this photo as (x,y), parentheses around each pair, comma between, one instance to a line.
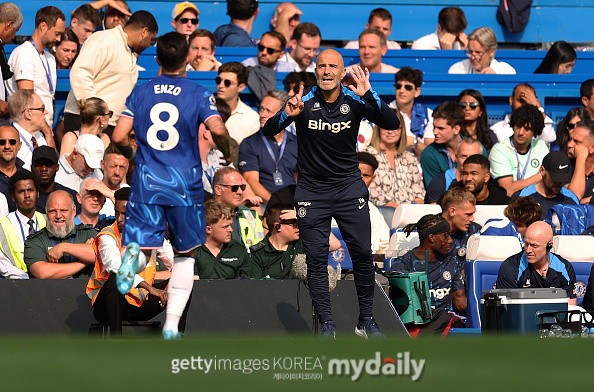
(340,256)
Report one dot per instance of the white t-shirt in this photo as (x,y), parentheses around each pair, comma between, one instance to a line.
(27,64)
(69,178)
(464,67)
(243,122)
(431,42)
(287,58)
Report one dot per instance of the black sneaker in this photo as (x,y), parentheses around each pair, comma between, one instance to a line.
(327,330)
(368,328)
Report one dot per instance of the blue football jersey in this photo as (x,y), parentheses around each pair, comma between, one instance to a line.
(167,112)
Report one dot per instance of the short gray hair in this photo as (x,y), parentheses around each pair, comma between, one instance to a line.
(484,36)
(84,183)
(9,12)
(18,102)
(278,94)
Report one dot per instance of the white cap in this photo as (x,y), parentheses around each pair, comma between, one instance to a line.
(91,147)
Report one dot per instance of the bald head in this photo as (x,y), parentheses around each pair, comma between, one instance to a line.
(331,55)
(540,231)
(7,131)
(57,197)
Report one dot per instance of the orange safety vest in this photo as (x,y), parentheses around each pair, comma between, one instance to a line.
(99,276)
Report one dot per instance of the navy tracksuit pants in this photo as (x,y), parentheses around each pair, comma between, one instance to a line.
(348,204)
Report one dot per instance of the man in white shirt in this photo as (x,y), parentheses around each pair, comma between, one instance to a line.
(372,47)
(381,19)
(15,227)
(28,116)
(35,68)
(304,44)
(524,94)
(450,34)
(232,80)
(84,161)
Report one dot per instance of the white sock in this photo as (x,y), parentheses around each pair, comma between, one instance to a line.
(178,291)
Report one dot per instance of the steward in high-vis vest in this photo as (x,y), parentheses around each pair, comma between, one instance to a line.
(145,300)
(18,225)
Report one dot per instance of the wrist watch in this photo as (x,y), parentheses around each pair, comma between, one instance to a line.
(416,143)
(541,109)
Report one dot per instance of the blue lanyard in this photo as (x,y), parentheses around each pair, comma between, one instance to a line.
(47,69)
(521,176)
(26,142)
(21,225)
(210,177)
(450,161)
(71,241)
(282,149)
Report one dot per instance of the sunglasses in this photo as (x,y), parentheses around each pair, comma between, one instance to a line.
(235,188)
(41,109)
(473,105)
(570,126)
(292,223)
(110,113)
(407,87)
(226,82)
(186,20)
(12,142)
(268,50)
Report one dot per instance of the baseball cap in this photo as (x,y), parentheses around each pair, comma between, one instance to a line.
(45,152)
(179,9)
(92,148)
(558,165)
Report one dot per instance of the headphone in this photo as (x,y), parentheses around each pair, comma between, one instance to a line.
(549,246)
(277,226)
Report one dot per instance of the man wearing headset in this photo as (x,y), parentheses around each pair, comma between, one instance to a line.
(536,266)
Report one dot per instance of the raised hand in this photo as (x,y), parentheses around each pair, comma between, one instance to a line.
(361,79)
(295,104)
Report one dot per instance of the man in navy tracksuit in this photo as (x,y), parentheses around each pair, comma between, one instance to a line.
(329,183)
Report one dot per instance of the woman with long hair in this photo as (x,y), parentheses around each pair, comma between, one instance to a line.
(574,116)
(397,178)
(560,59)
(94,117)
(476,124)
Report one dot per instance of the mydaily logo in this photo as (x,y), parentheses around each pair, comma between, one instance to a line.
(403,365)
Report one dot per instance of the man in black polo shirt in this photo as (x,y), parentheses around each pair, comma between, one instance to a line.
(220,257)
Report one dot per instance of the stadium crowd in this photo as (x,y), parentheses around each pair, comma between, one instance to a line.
(63,182)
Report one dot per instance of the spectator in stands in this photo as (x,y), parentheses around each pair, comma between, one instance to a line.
(184,18)
(522,212)
(515,162)
(459,206)
(115,167)
(417,117)
(14,228)
(201,52)
(273,256)
(116,13)
(11,20)
(580,150)
(294,80)
(35,68)
(10,145)
(145,300)
(397,180)
(267,163)
(232,80)
(439,156)
(476,177)
(270,49)
(536,266)
(220,257)
(574,115)
(380,19)
(305,44)
(84,21)
(91,198)
(60,250)
(372,47)
(27,111)
(441,182)
(524,94)
(445,273)
(285,19)
(450,34)
(116,50)
(554,172)
(482,45)
(94,118)
(380,231)
(476,120)
(587,92)
(66,50)
(237,32)
(83,161)
(560,59)
(229,188)
(45,165)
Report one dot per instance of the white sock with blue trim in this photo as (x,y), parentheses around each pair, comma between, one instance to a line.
(178,291)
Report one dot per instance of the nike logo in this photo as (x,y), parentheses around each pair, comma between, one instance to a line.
(314,109)
(361,203)
(561,167)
